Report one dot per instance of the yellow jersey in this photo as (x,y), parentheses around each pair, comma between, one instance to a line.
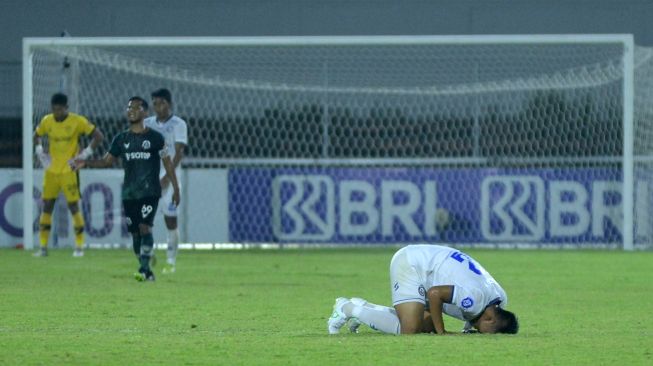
(63,138)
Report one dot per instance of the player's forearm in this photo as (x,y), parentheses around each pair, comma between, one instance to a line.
(172,177)
(173,181)
(170,173)
(436,316)
(179,154)
(98,137)
(176,161)
(98,163)
(435,308)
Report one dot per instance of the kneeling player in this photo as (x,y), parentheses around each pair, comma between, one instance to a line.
(427,281)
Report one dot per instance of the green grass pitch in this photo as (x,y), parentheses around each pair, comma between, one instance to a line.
(270,307)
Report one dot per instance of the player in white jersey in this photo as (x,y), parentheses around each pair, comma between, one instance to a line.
(175,132)
(427,281)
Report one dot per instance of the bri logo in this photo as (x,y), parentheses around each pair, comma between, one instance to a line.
(528,208)
(512,208)
(310,208)
(318,206)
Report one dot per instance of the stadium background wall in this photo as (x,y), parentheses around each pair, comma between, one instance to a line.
(81,18)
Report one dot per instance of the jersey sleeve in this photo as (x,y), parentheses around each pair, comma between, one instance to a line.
(470,301)
(84,126)
(181,132)
(42,128)
(115,149)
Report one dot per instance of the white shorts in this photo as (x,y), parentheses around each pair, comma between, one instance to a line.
(405,283)
(166,206)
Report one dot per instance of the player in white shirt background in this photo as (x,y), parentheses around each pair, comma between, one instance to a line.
(175,132)
(427,281)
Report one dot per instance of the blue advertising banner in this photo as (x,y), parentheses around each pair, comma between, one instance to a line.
(408,205)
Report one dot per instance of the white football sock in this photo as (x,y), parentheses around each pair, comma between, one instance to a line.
(173,244)
(378,317)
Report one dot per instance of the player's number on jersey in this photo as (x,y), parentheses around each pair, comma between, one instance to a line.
(146,210)
(460,257)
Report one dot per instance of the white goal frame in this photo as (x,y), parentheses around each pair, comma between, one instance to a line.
(29,44)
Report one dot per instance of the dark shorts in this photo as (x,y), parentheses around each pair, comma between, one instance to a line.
(140,211)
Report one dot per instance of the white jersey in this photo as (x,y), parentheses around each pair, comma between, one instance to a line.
(473,287)
(174,130)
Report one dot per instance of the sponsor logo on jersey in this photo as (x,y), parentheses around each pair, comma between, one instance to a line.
(137,155)
(467,303)
(126,145)
(146,144)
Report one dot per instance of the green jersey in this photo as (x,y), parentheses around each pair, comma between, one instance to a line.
(141,159)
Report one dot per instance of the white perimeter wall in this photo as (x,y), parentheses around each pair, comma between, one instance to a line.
(205,213)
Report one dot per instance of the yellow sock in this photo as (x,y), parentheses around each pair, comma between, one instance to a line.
(45,223)
(78,224)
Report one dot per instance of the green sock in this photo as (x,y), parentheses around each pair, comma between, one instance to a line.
(147,243)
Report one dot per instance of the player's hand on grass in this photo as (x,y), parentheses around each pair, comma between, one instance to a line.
(469,331)
(446,332)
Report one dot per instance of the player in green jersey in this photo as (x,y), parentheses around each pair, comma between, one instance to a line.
(141,150)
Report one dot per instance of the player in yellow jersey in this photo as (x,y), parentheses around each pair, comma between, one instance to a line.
(62,130)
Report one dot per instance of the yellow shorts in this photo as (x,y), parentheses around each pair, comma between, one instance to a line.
(67,182)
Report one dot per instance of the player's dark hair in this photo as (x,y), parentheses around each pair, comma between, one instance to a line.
(143,101)
(508,322)
(163,93)
(59,99)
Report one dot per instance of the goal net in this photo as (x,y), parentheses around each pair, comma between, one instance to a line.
(486,140)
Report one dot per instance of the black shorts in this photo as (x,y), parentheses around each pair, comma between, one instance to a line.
(140,211)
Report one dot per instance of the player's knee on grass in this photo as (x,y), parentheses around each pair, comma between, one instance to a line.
(411,315)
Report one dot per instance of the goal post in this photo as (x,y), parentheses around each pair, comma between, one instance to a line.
(496,140)
(28,148)
(628,195)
